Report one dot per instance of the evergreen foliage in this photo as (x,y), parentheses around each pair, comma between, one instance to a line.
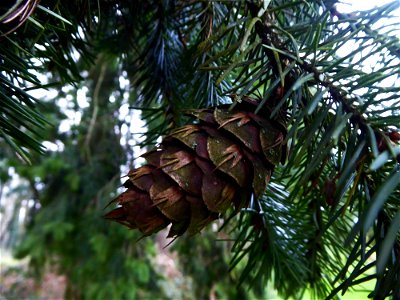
(329,219)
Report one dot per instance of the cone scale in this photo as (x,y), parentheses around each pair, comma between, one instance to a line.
(199,171)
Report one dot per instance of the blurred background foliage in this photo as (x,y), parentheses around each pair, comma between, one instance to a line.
(86,85)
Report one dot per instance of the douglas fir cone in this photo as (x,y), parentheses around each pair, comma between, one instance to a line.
(200,170)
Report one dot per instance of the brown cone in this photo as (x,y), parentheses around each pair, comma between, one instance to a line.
(201,170)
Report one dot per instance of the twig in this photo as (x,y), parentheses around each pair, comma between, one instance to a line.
(271,38)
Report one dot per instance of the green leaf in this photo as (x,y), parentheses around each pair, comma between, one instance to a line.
(379,199)
(315,100)
(373,142)
(340,125)
(31,19)
(383,158)
(50,12)
(387,244)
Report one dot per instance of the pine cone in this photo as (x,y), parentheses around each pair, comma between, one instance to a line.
(201,170)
